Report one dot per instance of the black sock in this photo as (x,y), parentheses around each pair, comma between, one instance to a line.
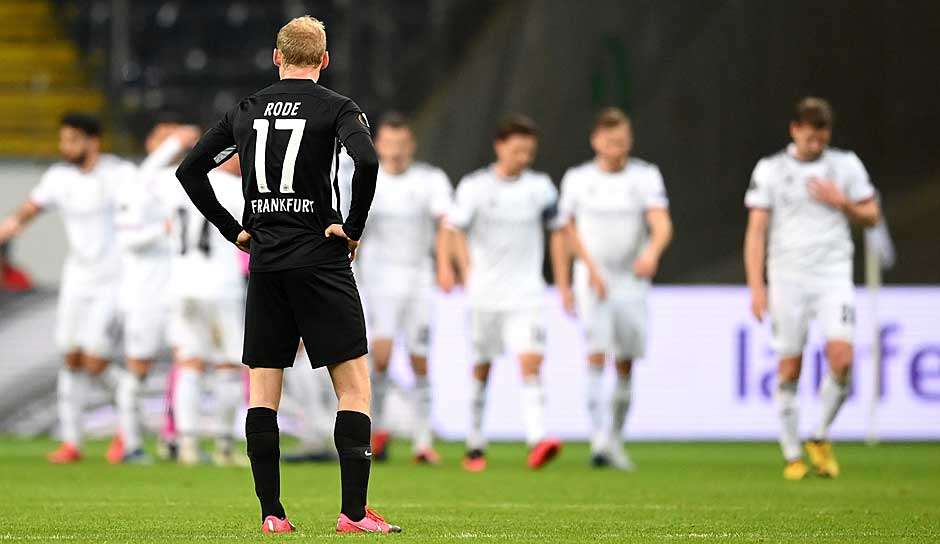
(264,451)
(352,434)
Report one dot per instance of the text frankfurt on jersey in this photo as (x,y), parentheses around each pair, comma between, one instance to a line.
(294,205)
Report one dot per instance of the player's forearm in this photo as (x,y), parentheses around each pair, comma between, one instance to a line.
(163,155)
(561,259)
(866,214)
(359,146)
(660,226)
(459,252)
(15,222)
(754,244)
(137,238)
(193,176)
(441,250)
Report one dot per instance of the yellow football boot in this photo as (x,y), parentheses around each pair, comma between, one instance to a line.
(823,459)
(795,470)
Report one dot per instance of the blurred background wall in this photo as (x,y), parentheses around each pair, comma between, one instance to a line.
(709,85)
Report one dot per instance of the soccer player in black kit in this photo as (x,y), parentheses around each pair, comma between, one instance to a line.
(301,285)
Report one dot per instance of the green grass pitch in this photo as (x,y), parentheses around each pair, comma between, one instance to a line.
(681,493)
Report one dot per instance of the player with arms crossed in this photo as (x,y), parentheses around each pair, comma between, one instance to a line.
(498,241)
(301,282)
(83,188)
(396,271)
(807,196)
(617,223)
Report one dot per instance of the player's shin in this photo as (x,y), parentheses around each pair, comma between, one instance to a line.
(352,436)
(71,389)
(620,405)
(532,410)
(832,394)
(787,408)
(128,407)
(228,393)
(186,412)
(422,399)
(264,452)
(595,383)
(475,437)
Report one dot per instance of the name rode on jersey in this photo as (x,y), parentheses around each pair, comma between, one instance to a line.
(293,205)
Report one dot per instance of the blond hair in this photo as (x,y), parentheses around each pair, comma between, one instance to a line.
(302,42)
(609,118)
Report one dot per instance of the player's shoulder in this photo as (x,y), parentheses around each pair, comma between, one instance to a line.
(578,171)
(768,164)
(108,160)
(477,178)
(426,169)
(644,166)
(536,177)
(60,169)
(842,155)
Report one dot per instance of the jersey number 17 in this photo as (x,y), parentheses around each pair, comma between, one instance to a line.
(296,128)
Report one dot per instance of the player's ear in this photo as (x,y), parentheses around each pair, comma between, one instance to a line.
(276,57)
(325,61)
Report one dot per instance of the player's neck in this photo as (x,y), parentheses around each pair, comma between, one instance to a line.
(304,72)
(504,172)
(395,170)
(612,166)
(91,159)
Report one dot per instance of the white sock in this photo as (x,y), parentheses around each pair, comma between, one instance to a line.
(379,388)
(532,411)
(832,393)
(186,402)
(422,400)
(620,405)
(228,394)
(785,398)
(595,383)
(71,388)
(128,408)
(475,438)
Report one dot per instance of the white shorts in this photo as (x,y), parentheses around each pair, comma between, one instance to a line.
(87,322)
(615,325)
(144,330)
(794,304)
(493,333)
(213,331)
(406,315)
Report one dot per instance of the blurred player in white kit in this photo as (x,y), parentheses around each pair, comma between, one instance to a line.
(207,328)
(498,235)
(806,197)
(397,269)
(83,188)
(143,234)
(617,223)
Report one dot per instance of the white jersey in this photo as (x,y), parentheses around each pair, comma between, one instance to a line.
(609,210)
(205,265)
(808,239)
(141,220)
(87,203)
(504,220)
(395,254)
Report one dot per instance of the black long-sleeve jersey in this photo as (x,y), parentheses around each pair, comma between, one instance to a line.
(288,137)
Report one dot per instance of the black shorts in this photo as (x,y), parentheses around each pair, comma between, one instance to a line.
(317,303)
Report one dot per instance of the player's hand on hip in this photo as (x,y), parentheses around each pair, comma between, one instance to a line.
(567,300)
(759,303)
(646,264)
(243,242)
(337,230)
(827,192)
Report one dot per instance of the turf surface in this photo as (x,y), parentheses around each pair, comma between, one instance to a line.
(682,492)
